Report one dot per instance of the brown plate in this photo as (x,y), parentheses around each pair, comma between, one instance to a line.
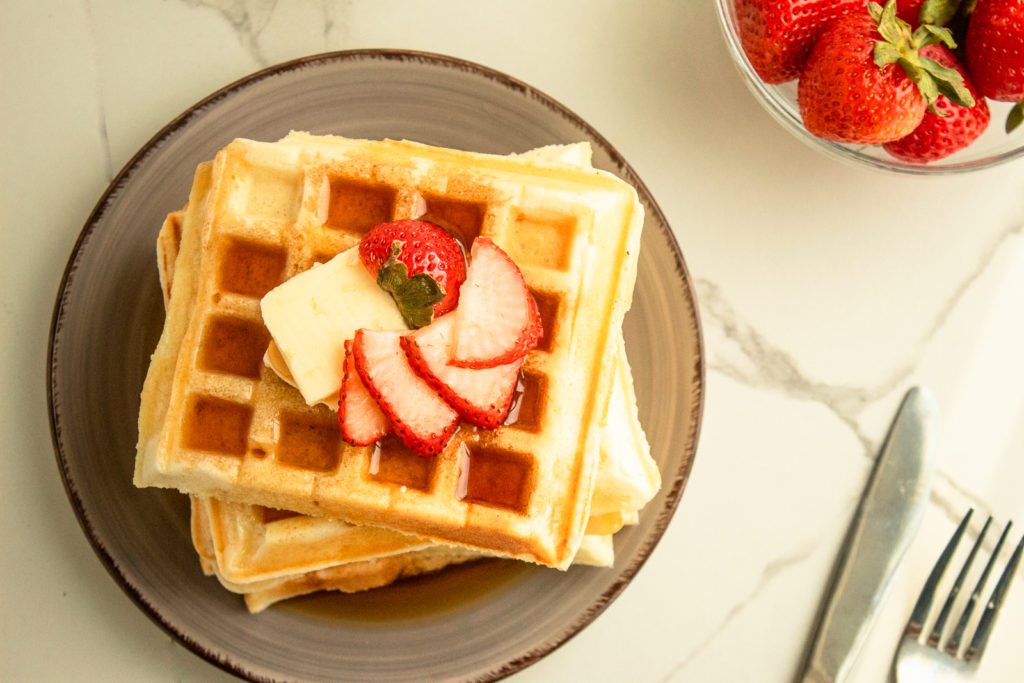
(477,622)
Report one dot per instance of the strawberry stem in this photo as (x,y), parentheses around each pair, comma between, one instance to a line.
(415,296)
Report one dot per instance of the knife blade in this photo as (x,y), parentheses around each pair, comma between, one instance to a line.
(885,523)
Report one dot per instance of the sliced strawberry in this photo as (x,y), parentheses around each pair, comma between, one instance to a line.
(483,396)
(418,415)
(497,320)
(361,420)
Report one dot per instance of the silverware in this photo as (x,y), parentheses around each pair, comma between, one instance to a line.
(942,657)
(885,523)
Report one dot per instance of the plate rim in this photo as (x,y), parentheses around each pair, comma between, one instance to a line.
(679,478)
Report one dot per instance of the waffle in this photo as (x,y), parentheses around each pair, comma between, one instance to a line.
(216,422)
(350,577)
(347,577)
(270,555)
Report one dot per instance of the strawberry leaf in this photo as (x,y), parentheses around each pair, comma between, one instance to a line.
(415,296)
(1015,117)
(875,10)
(393,273)
(892,29)
(938,12)
(926,34)
(948,81)
(926,85)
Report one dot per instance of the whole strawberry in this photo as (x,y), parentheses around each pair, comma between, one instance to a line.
(947,129)
(865,81)
(777,35)
(419,263)
(995,52)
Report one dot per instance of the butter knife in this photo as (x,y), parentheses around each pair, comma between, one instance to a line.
(883,527)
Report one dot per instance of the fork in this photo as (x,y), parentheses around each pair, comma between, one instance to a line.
(935,658)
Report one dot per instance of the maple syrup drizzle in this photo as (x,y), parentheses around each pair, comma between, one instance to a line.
(250,268)
(356,206)
(311,445)
(393,463)
(495,477)
(216,425)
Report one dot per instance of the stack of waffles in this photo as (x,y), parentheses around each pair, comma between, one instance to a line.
(281,505)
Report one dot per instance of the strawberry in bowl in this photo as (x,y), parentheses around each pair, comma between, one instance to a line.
(995,53)
(947,127)
(867,82)
(871,78)
(778,36)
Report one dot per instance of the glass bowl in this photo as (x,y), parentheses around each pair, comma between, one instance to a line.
(994,146)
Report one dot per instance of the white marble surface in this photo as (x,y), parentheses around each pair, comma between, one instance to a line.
(825,291)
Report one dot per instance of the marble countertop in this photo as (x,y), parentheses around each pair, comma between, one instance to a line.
(825,292)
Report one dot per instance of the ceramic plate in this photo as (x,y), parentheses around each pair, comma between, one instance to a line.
(479,622)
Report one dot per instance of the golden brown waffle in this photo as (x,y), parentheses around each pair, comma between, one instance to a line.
(218,423)
(348,577)
(253,543)
(352,576)
(269,554)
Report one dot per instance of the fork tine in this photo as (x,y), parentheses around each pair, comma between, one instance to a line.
(988,619)
(924,602)
(940,624)
(953,646)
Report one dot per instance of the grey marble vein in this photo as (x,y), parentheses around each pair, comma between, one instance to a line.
(753,360)
(769,572)
(248,19)
(748,357)
(335,30)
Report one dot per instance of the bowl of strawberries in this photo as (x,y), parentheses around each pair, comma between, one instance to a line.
(914,86)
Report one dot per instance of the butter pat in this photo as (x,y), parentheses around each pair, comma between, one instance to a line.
(313,314)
